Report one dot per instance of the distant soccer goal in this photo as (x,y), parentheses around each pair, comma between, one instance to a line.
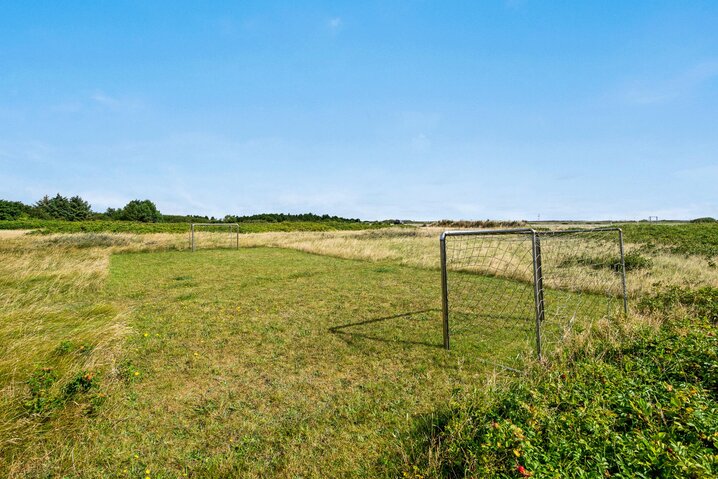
(522,290)
(214,235)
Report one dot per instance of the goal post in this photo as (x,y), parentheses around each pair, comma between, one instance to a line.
(232,227)
(526,288)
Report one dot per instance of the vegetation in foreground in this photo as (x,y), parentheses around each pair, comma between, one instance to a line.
(643,406)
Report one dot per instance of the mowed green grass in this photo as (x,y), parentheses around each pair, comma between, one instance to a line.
(268,362)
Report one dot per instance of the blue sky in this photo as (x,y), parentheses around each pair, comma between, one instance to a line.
(376,109)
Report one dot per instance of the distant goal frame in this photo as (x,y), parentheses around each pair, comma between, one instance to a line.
(233,227)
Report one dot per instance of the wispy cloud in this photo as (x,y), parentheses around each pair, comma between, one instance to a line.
(673,87)
(335,24)
(114,103)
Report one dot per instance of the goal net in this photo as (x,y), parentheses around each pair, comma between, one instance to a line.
(516,292)
(214,235)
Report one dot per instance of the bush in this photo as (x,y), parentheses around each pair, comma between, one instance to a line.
(647,407)
(633,261)
(143,211)
(705,219)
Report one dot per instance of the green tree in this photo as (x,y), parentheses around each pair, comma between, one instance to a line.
(141,210)
(12,210)
(62,208)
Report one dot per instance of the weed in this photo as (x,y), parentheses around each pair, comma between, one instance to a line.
(40,384)
(82,382)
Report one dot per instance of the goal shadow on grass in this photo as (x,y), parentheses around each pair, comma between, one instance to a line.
(349,330)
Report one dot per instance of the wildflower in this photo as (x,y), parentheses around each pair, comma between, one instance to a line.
(522,470)
(137,373)
(147,334)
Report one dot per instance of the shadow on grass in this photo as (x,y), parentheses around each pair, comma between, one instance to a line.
(340,330)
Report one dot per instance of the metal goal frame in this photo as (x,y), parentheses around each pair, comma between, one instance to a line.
(538,271)
(233,227)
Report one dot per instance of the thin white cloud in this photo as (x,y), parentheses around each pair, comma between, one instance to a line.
(114,103)
(674,87)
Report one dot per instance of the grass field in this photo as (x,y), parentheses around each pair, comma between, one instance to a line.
(253,362)
(307,354)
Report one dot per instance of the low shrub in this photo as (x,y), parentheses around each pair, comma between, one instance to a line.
(647,407)
(633,261)
(701,302)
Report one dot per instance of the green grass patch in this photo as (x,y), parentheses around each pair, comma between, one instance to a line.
(269,362)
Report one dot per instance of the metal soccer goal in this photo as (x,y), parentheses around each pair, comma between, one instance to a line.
(528,289)
(232,231)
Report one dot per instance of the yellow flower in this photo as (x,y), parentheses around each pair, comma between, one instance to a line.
(137,373)
(147,334)
(517,453)
(147,471)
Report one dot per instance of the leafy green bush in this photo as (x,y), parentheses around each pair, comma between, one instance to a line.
(12,210)
(633,261)
(705,219)
(143,211)
(647,407)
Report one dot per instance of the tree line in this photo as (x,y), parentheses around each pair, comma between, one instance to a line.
(75,208)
